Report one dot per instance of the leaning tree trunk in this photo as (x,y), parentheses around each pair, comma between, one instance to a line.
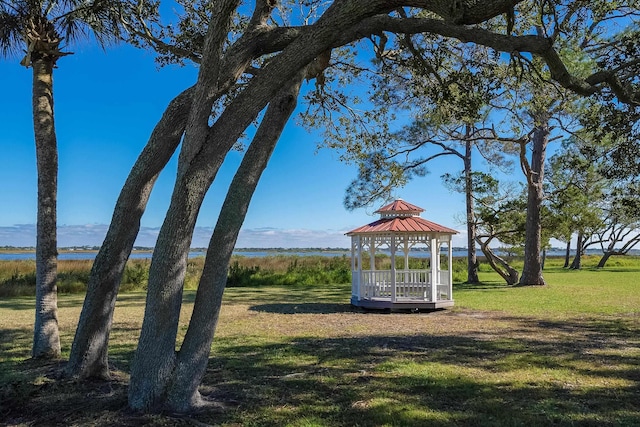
(605,258)
(46,338)
(472,259)
(192,359)
(532,270)
(89,353)
(576,264)
(155,357)
(499,264)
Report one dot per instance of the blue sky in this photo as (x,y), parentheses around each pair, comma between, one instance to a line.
(107,103)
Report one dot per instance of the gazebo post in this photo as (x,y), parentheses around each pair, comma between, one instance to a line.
(434,267)
(372,253)
(356,264)
(406,250)
(393,268)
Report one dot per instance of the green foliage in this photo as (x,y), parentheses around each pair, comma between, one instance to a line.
(289,271)
(240,275)
(18,278)
(135,276)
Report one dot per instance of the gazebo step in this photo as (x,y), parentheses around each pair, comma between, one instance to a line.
(384,304)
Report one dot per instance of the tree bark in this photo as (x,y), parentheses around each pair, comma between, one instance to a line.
(532,270)
(576,264)
(472,260)
(89,353)
(567,254)
(46,338)
(203,151)
(192,359)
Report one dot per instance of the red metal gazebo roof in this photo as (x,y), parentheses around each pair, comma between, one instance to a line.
(401,217)
(400,206)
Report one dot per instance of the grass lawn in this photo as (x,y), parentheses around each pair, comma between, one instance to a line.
(564,354)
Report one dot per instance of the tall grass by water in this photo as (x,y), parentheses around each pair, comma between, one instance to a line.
(17,278)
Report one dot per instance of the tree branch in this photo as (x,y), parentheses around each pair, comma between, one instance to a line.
(534,44)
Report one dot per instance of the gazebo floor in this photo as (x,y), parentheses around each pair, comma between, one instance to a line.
(403,304)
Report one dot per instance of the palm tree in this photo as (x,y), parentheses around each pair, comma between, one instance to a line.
(41,28)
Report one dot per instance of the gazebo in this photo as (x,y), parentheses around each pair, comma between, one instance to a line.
(399,231)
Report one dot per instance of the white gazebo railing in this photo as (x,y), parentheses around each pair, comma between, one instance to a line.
(408,284)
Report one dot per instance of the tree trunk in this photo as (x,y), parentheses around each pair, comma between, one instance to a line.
(46,338)
(577,260)
(499,265)
(532,270)
(604,259)
(567,254)
(154,358)
(472,260)
(89,353)
(203,151)
(192,359)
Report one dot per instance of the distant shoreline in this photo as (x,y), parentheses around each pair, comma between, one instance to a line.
(143,252)
(20,250)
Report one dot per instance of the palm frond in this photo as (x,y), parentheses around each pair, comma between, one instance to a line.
(98,18)
(11,43)
(69,20)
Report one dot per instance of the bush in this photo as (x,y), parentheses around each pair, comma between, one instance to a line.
(240,275)
(136,275)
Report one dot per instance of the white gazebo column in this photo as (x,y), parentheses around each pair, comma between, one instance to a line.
(372,254)
(393,268)
(435,258)
(356,265)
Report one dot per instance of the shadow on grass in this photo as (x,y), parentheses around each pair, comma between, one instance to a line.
(14,345)
(28,303)
(579,372)
(18,303)
(435,380)
(482,285)
(616,269)
(292,294)
(303,308)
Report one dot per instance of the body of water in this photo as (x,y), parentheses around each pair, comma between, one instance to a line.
(13,256)
(10,256)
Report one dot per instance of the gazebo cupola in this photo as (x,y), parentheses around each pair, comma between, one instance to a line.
(399,231)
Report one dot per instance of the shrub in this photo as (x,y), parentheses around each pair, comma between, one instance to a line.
(240,275)
(136,275)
